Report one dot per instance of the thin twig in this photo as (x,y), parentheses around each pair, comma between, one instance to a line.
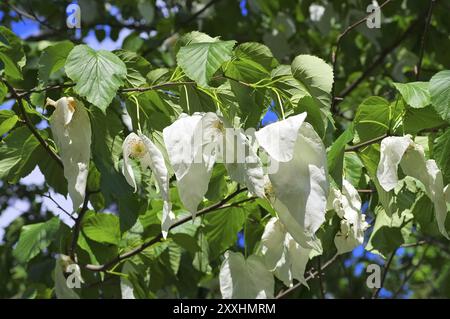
(23,93)
(376,292)
(377,61)
(156,86)
(31,127)
(312,275)
(336,50)
(366,143)
(59,206)
(409,275)
(199,12)
(418,67)
(419,243)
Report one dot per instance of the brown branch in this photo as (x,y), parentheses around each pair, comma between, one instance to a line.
(30,126)
(199,12)
(377,61)
(156,86)
(376,292)
(369,191)
(418,67)
(219,205)
(336,51)
(409,275)
(419,243)
(364,144)
(312,275)
(24,93)
(58,206)
(77,227)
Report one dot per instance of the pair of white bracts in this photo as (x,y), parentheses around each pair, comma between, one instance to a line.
(401,150)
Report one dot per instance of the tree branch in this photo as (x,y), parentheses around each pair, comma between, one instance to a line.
(377,61)
(58,206)
(376,292)
(336,51)
(30,126)
(199,12)
(219,205)
(156,86)
(77,227)
(418,67)
(312,275)
(409,275)
(366,143)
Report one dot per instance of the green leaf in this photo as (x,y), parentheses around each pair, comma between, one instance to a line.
(284,81)
(137,67)
(335,155)
(316,75)
(3,91)
(201,60)
(193,37)
(53,59)
(440,93)
(441,154)
(98,74)
(258,53)
(415,94)
(194,100)
(34,238)
(372,118)
(311,106)
(7,121)
(17,152)
(416,120)
(221,229)
(106,151)
(102,228)
(251,103)
(12,56)
(387,233)
(246,71)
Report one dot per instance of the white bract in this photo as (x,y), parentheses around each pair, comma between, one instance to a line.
(195,143)
(71,129)
(347,205)
(245,278)
(402,150)
(298,189)
(282,254)
(141,148)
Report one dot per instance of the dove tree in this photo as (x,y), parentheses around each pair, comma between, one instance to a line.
(178,185)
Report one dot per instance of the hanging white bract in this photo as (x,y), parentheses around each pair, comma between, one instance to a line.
(298,184)
(402,150)
(141,148)
(195,143)
(245,278)
(347,205)
(282,254)
(71,129)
